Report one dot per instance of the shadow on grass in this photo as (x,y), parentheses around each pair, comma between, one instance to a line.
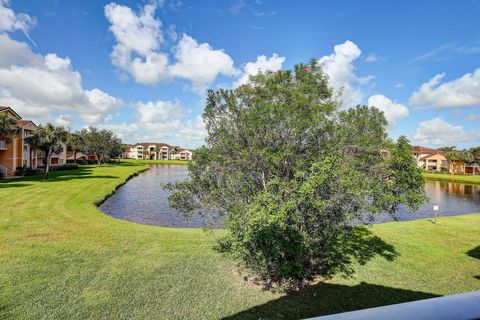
(3,313)
(84,172)
(359,247)
(14,185)
(326,298)
(475,253)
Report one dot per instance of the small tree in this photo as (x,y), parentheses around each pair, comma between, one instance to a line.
(48,138)
(8,128)
(288,170)
(75,141)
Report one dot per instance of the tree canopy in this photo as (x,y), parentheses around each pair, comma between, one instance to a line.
(8,127)
(101,142)
(289,170)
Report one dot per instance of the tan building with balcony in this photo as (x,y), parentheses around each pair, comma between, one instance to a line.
(17,153)
(431,159)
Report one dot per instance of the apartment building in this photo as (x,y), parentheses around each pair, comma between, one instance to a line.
(435,160)
(18,152)
(182,154)
(157,151)
(431,159)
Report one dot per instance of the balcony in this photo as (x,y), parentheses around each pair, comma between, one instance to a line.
(3,145)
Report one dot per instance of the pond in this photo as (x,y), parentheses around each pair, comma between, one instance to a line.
(142,200)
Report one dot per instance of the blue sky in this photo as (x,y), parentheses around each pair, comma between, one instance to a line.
(140,68)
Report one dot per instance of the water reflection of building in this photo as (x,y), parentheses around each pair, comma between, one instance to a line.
(462,189)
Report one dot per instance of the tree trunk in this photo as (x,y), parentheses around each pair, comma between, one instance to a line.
(98,159)
(74,155)
(47,163)
(31,157)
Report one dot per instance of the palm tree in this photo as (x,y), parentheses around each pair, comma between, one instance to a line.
(8,128)
(48,138)
(156,149)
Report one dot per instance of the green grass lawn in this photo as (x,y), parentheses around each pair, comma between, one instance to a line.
(61,258)
(454,177)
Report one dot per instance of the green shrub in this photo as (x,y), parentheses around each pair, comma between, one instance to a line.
(20,171)
(65,167)
(23,171)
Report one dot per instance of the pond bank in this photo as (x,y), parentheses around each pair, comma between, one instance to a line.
(142,200)
(470,179)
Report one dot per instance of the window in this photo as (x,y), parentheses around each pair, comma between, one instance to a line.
(25,148)
(62,161)
(24,163)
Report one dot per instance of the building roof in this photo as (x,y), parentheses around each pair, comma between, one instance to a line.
(425,150)
(24,122)
(431,155)
(147,144)
(5,109)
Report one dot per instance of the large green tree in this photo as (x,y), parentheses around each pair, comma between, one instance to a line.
(289,170)
(48,138)
(102,143)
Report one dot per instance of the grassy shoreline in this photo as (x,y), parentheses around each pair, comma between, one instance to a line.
(453,177)
(60,257)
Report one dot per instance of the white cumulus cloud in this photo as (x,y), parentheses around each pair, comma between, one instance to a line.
(200,63)
(169,121)
(392,110)
(262,64)
(125,131)
(11,21)
(439,132)
(139,40)
(460,92)
(341,71)
(37,85)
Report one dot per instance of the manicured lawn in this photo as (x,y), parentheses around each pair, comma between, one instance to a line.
(454,177)
(61,258)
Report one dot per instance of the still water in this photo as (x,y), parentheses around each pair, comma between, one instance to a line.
(142,200)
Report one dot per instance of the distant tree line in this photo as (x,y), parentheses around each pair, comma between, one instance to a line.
(100,142)
(471,156)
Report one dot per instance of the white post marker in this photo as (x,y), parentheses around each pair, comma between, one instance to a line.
(435,209)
